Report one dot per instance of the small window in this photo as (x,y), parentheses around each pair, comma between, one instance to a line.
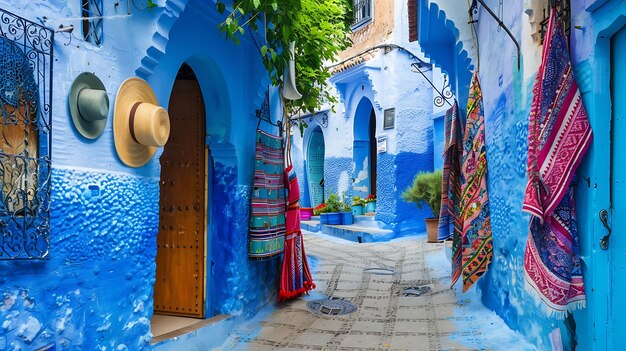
(92,21)
(412,8)
(362,11)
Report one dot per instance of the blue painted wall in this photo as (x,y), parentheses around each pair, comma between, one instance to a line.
(438,140)
(507,94)
(105,241)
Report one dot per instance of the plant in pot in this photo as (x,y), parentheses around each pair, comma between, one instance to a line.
(370,203)
(322,211)
(357,205)
(346,214)
(333,208)
(426,189)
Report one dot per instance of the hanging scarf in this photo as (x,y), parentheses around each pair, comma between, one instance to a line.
(295,278)
(267,220)
(476,245)
(451,182)
(451,187)
(558,136)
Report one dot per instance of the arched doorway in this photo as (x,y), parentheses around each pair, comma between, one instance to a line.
(179,288)
(364,152)
(315,166)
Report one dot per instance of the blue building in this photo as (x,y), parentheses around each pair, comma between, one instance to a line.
(597,32)
(380,133)
(81,267)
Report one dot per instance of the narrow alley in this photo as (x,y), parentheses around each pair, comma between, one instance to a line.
(399,299)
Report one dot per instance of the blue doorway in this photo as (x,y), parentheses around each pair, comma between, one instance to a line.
(315,166)
(364,151)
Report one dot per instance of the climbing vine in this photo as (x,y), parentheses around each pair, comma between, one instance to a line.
(318,27)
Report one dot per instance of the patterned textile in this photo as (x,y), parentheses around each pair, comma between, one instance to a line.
(558,136)
(476,242)
(451,186)
(267,221)
(295,278)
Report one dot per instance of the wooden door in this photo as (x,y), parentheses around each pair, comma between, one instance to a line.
(180,264)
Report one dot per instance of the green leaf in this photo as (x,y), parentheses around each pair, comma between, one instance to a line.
(263,50)
(256,3)
(221,7)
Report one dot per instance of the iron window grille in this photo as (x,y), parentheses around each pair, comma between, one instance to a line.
(25,137)
(563,14)
(362,12)
(92,21)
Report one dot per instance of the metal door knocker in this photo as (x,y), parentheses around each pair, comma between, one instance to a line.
(604,242)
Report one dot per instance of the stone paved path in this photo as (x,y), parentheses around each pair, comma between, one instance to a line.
(386,319)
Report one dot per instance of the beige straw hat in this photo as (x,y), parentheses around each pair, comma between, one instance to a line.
(140,125)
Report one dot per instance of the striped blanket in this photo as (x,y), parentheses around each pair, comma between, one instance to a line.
(558,137)
(476,245)
(267,220)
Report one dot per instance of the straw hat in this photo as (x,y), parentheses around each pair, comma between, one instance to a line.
(89,105)
(139,124)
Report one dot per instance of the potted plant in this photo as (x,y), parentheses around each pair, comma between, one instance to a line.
(346,214)
(426,189)
(370,203)
(306,213)
(333,207)
(357,205)
(322,211)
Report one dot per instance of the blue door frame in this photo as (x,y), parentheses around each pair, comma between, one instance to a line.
(315,166)
(595,327)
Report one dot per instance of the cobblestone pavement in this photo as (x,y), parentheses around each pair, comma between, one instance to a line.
(387,318)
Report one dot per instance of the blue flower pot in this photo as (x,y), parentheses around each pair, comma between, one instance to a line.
(347,218)
(370,207)
(324,218)
(357,210)
(334,218)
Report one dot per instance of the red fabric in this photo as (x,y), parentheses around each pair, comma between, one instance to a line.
(295,278)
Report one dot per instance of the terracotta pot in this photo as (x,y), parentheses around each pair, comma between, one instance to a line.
(432,229)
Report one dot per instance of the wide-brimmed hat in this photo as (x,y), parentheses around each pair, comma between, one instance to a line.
(140,125)
(89,105)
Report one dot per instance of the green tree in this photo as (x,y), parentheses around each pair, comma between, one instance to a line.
(318,27)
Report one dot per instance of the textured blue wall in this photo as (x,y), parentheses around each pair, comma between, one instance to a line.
(240,286)
(336,168)
(506,127)
(95,292)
